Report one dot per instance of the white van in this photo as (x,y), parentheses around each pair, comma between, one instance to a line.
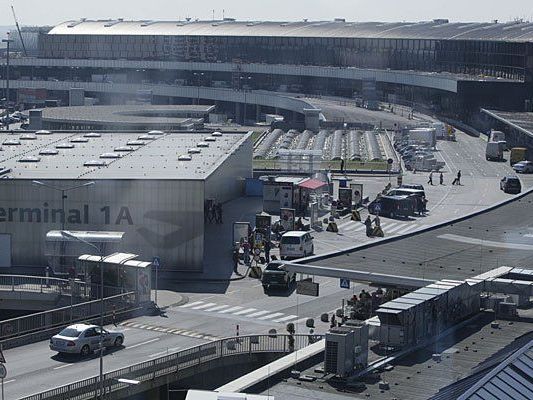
(296,244)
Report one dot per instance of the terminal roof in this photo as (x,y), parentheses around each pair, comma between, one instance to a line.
(90,156)
(436,29)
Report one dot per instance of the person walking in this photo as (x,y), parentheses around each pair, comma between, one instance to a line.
(246,249)
(441,179)
(377,221)
(342,165)
(368,224)
(457,180)
(430,180)
(236,261)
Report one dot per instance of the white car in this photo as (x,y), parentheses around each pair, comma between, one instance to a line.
(83,339)
(296,244)
(524,167)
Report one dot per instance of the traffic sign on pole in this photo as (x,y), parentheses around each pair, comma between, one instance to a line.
(156,263)
(2,358)
(345,283)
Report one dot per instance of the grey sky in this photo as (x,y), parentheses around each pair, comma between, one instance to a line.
(41,12)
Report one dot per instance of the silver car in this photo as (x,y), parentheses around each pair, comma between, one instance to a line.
(83,339)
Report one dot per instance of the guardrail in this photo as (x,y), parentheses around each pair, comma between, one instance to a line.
(60,316)
(28,283)
(176,362)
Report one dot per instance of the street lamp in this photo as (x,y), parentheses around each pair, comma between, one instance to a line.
(73,237)
(63,191)
(8,41)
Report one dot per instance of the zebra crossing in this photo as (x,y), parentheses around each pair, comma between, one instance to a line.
(169,330)
(350,227)
(243,312)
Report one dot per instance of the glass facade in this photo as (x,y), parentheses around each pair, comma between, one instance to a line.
(509,60)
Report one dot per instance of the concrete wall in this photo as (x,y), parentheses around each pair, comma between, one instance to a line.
(160,217)
(227,183)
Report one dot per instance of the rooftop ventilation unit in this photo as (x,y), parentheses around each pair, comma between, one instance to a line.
(110,155)
(216,134)
(92,134)
(156,133)
(146,137)
(79,140)
(48,152)
(136,143)
(124,148)
(30,159)
(194,151)
(64,146)
(94,163)
(43,132)
(28,137)
(11,142)
(185,158)
(210,139)
(202,144)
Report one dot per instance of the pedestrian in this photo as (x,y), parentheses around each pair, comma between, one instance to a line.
(236,261)
(368,224)
(441,179)
(377,221)
(114,316)
(342,165)
(246,249)
(430,180)
(219,213)
(267,251)
(457,180)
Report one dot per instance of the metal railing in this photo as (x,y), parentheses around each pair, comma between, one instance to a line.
(61,316)
(176,362)
(28,283)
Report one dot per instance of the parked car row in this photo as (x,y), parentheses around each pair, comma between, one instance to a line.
(417,156)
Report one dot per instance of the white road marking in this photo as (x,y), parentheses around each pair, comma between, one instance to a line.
(257,314)
(405,230)
(143,343)
(11,380)
(247,311)
(61,366)
(230,310)
(217,308)
(488,243)
(287,318)
(188,305)
(164,353)
(270,316)
(203,306)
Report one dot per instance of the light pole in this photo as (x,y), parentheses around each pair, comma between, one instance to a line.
(8,41)
(63,191)
(197,76)
(72,237)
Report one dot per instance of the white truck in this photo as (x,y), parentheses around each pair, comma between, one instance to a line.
(423,135)
(498,136)
(494,151)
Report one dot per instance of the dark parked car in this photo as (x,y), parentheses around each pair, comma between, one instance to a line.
(510,184)
(393,206)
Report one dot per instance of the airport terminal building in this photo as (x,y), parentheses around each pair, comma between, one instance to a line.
(150,186)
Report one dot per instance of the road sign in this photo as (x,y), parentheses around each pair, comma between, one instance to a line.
(3,371)
(377,208)
(307,288)
(156,262)
(2,358)
(345,283)
(390,161)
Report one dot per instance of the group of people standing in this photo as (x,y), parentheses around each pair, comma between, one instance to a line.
(373,230)
(213,212)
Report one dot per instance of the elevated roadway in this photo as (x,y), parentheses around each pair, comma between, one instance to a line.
(441,81)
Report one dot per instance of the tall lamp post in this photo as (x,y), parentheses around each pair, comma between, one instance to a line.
(72,237)
(8,41)
(63,191)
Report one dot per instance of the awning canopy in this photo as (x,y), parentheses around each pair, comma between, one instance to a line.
(312,184)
